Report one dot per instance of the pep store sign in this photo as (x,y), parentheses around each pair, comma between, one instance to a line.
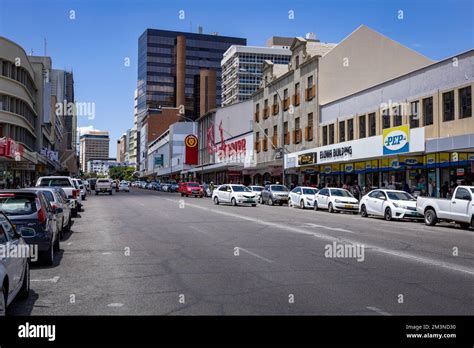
(396,140)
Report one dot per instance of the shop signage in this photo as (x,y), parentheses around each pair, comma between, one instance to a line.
(349,168)
(307,158)
(460,172)
(191,144)
(395,164)
(327,170)
(23,166)
(236,148)
(342,152)
(10,149)
(158,160)
(395,140)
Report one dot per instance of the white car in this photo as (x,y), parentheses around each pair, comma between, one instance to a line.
(336,200)
(82,191)
(391,204)
(258,191)
(124,186)
(302,197)
(234,194)
(14,270)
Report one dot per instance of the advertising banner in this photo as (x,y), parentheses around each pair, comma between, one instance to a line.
(191,144)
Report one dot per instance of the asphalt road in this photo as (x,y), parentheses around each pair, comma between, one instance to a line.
(148,252)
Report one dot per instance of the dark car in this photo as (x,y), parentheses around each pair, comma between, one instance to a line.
(92,183)
(275,194)
(30,212)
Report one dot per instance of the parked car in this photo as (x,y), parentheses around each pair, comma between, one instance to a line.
(190,189)
(302,197)
(57,200)
(275,194)
(67,184)
(82,187)
(173,187)
(336,200)
(103,186)
(79,196)
(391,204)
(258,191)
(124,186)
(14,271)
(30,212)
(234,194)
(460,208)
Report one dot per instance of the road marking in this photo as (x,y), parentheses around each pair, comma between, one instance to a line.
(329,228)
(69,243)
(52,280)
(106,253)
(199,230)
(116,304)
(256,255)
(428,261)
(379,311)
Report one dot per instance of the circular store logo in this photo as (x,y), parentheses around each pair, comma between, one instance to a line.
(191,141)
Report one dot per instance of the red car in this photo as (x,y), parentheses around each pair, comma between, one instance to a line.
(190,189)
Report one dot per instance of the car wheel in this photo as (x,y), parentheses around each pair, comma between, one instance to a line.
(270,201)
(110,193)
(430,217)
(254,205)
(388,214)
(260,200)
(25,285)
(363,211)
(465,225)
(96,193)
(290,204)
(3,301)
(316,205)
(216,200)
(302,206)
(47,256)
(233,201)
(330,208)
(56,244)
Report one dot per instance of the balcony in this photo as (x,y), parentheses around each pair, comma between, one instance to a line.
(310,93)
(296,99)
(275,109)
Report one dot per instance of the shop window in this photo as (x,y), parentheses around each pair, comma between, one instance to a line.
(448,106)
(385,118)
(465,102)
(362,127)
(325,135)
(342,131)
(414,118)
(350,129)
(331,134)
(428,111)
(372,125)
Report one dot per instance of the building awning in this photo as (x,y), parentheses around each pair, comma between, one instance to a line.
(213,167)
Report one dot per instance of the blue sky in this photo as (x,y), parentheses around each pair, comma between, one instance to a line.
(105,32)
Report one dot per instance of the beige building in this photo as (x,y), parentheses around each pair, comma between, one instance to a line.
(287,107)
(93,145)
(121,148)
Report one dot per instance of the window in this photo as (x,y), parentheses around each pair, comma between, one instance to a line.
(297,123)
(265,140)
(362,127)
(374,194)
(350,129)
(465,102)
(275,137)
(385,118)
(310,81)
(296,96)
(414,119)
(325,135)
(372,125)
(397,116)
(448,106)
(297,62)
(286,100)
(286,134)
(463,194)
(428,111)
(309,135)
(297,131)
(342,131)
(331,134)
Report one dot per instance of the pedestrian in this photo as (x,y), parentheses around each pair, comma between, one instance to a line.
(430,188)
(444,190)
(406,188)
(355,190)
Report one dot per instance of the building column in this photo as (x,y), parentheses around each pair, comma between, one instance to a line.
(180,70)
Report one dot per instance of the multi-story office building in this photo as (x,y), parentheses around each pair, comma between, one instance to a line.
(170,64)
(133,148)
(93,145)
(242,69)
(428,111)
(287,107)
(122,148)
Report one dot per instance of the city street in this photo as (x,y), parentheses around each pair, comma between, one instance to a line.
(155,253)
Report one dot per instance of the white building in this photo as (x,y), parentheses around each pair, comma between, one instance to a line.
(101,166)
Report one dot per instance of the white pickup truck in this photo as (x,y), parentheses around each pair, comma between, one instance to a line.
(67,184)
(460,208)
(103,186)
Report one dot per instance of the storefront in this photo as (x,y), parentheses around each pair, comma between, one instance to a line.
(17,165)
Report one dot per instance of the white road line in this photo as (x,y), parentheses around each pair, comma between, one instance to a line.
(256,255)
(115,305)
(199,230)
(379,311)
(106,253)
(329,228)
(69,243)
(372,248)
(52,280)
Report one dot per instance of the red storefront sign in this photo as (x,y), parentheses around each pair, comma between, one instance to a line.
(10,149)
(237,147)
(191,143)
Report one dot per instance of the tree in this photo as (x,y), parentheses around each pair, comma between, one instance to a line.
(122,173)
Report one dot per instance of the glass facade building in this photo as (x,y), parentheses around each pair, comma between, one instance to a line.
(157,67)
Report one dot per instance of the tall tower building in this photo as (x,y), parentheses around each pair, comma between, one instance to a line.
(93,145)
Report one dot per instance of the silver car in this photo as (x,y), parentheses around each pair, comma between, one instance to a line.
(14,270)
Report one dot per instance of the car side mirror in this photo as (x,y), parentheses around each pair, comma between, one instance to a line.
(27,232)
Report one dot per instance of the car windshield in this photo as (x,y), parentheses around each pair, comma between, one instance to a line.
(238,188)
(256,188)
(49,195)
(341,193)
(193,184)
(308,191)
(279,188)
(61,182)
(400,196)
(18,205)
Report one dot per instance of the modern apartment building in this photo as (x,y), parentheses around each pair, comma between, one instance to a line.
(287,107)
(93,145)
(429,109)
(122,148)
(242,69)
(170,64)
